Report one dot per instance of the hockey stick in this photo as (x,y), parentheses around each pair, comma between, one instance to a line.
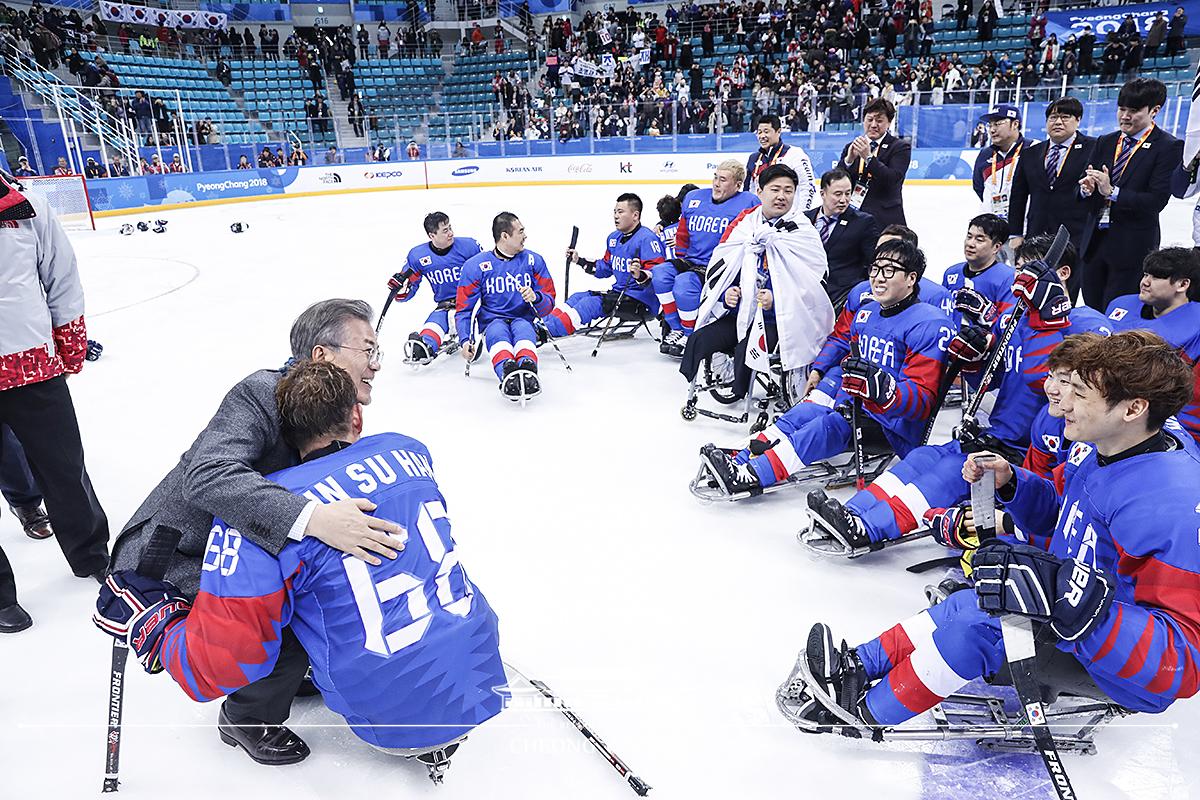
(153,564)
(394,287)
(471,342)
(608,322)
(549,338)
(1020,648)
(567,269)
(943,390)
(860,482)
(637,784)
(1053,256)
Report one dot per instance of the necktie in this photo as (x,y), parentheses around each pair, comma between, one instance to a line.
(826,227)
(1052,160)
(1123,157)
(874,148)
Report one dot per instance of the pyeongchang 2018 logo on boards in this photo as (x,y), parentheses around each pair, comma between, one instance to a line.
(462,172)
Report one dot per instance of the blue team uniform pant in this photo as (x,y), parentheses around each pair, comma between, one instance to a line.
(582,309)
(895,502)
(678,294)
(929,657)
(510,340)
(437,324)
(807,433)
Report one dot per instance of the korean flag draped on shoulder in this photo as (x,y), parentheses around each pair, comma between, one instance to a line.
(795,259)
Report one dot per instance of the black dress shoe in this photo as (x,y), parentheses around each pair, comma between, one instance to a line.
(34,521)
(13,619)
(274,745)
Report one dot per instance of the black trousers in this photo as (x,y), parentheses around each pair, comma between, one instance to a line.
(269,700)
(42,417)
(1108,275)
(721,337)
(17,485)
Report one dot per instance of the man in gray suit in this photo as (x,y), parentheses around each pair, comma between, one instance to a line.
(221,475)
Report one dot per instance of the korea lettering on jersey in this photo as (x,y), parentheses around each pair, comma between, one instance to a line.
(496,284)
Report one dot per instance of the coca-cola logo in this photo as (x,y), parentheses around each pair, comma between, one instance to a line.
(579,169)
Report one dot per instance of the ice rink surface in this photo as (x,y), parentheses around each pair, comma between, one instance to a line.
(666,623)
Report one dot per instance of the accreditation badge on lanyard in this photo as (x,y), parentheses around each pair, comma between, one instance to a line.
(1106,212)
(998,200)
(860,192)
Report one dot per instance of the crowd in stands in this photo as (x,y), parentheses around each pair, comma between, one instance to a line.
(811,62)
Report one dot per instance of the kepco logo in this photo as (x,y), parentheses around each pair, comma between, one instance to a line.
(376,175)
(463,171)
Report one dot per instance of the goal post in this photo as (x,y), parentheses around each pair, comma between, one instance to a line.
(67,195)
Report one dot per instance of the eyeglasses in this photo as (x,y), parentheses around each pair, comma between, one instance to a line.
(374,354)
(1059,118)
(888,271)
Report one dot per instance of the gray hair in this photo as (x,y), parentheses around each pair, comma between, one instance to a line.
(324,323)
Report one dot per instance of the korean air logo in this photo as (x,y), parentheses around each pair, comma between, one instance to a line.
(463,171)
(693,203)
(1052,443)
(1118,314)
(485,266)
(1079,452)
(863,315)
(426,260)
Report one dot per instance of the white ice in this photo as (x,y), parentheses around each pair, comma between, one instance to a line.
(666,623)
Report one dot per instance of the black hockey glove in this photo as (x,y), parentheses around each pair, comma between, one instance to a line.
(1018,579)
(401,284)
(970,346)
(975,307)
(1040,291)
(861,378)
(138,611)
(587,266)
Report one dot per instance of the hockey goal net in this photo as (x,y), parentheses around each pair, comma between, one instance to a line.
(67,195)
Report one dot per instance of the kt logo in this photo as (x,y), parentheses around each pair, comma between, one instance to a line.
(626,166)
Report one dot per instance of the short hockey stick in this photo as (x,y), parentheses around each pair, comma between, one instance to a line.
(860,482)
(1020,649)
(394,287)
(608,322)
(152,565)
(567,270)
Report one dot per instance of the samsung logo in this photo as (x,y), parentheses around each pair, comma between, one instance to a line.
(468,170)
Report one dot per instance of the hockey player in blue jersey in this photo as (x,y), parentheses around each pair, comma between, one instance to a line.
(631,253)
(1166,304)
(440,262)
(513,289)
(896,503)
(822,388)
(406,651)
(705,215)
(981,272)
(894,373)
(669,208)
(1119,588)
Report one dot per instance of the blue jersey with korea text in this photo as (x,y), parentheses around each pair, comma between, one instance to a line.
(1135,519)
(641,244)
(494,282)
(441,269)
(1181,329)
(407,651)
(704,221)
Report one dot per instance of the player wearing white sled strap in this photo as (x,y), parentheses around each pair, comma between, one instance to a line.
(1119,587)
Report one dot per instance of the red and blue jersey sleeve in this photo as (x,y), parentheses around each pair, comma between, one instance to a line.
(837,346)
(467,297)
(681,238)
(543,284)
(231,637)
(412,265)
(919,375)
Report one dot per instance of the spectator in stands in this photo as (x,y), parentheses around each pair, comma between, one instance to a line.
(265,159)
(962,15)
(298,158)
(244,163)
(1112,59)
(279,159)
(117,167)
(1156,34)
(413,151)
(355,113)
(460,151)
(142,112)
(23,169)
(176,164)
(383,37)
(155,167)
(381,152)
(62,168)
(1175,31)
(224,73)
(93,170)
(1087,49)
(364,42)
(333,156)
(985,22)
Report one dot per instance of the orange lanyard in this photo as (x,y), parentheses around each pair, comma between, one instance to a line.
(761,165)
(1062,162)
(1117,151)
(1010,166)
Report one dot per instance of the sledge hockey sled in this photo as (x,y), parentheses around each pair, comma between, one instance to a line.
(450,346)
(994,720)
(834,473)
(436,759)
(825,540)
(622,325)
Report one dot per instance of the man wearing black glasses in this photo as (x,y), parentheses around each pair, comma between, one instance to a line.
(221,475)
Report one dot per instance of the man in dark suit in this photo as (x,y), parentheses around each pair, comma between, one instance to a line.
(849,235)
(877,162)
(221,475)
(1045,189)
(1126,187)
